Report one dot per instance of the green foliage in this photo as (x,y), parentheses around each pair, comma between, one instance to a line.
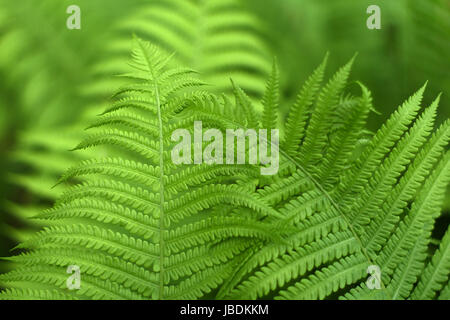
(412,31)
(61,97)
(38,65)
(219,39)
(341,201)
(139,207)
(141,227)
(377,210)
(436,272)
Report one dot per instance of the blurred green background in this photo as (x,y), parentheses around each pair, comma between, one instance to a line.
(49,84)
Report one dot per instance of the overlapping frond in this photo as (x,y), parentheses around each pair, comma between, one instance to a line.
(435,275)
(140,226)
(150,224)
(219,39)
(43,64)
(379,203)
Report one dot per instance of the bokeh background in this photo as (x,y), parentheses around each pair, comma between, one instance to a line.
(54,80)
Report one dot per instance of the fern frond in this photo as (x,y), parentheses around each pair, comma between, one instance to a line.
(333,193)
(271,100)
(425,209)
(149,223)
(320,121)
(299,113)
(386,175)
(436,273)
(283,269)
(327,280)
(387,216)
(384,139)
(140,226)
(219,39)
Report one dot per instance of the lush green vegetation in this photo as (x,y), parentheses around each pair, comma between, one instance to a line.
(360,182)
